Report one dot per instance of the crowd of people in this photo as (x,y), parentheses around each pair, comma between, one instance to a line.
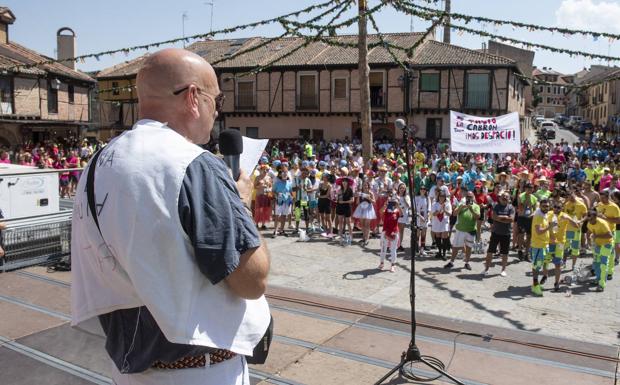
(547,203)
(59,155)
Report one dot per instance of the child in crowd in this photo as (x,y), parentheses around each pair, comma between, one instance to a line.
(389,235)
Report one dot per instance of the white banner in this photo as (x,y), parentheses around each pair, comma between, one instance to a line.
(477,134)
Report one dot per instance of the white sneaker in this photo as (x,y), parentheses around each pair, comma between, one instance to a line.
(485,273)
(503,273)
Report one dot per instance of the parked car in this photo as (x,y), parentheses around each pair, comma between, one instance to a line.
(547,129)
(574,121)
(584,126)
(538,120)
(559,119)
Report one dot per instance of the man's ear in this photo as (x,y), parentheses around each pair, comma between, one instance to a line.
(191,101)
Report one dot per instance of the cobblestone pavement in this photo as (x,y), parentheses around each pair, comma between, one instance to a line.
(325,267)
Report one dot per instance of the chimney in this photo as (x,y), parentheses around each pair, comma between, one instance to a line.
(446,28)
(65,44)
(484,47)
(6,18)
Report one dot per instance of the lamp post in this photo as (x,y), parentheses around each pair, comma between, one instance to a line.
(211,4)
(183,18)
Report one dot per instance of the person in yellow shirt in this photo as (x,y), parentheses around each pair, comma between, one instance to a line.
(610,212)
(603,249)
(558,221)
(539,243)
(577,210)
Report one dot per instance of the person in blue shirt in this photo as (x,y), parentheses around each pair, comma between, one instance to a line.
(577,174)
(443,174)
(459,173)
(472,178)
(282,188)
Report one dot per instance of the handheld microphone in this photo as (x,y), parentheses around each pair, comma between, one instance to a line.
(231,146)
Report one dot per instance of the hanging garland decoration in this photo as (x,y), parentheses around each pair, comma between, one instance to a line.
(127,50)
(515,24)
(308,40)
(429,16)
(119,89)
(580,87)
(409,50)
(288,31)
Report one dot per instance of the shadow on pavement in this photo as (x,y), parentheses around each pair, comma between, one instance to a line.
(361,274)
(475,304)
(515,293)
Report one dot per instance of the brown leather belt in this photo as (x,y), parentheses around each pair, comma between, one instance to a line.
(215,357)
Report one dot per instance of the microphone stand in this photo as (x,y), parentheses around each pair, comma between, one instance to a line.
(413,355)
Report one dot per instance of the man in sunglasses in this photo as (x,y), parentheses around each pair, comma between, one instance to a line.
(173,265)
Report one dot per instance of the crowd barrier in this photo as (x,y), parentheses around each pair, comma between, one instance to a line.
(36,244)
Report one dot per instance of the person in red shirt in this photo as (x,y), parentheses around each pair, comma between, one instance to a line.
(389,235)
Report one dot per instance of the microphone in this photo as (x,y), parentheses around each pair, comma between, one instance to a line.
(231,146)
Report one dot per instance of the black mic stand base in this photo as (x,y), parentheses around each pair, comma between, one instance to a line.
(412,355)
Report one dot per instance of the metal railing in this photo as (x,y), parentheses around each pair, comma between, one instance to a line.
(36,244)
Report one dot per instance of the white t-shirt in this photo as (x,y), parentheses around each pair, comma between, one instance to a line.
(421,205)
(439,225)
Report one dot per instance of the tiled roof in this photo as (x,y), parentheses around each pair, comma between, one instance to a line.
(13,54)
(545,71)
(433,52)
(319,53)
(128,68)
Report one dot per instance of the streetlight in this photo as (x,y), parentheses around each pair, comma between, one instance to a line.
(210,3)
(183,18)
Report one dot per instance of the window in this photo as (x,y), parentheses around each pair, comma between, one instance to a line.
(52,96)
(71,93)
(429,82)
(433,128)
(307,92)
(115,90)
(376,89)
(251,132)
(6,96)
(317,135)
(340,88)
(548,89)
(304,133)
(245,95)
(478,91)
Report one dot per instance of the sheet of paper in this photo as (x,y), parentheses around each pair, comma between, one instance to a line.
(252,151)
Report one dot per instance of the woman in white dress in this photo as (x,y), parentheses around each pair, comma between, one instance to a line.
(422,205)
(440,223)
(405,205)
(365,210)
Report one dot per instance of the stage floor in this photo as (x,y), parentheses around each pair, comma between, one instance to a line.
(319,340)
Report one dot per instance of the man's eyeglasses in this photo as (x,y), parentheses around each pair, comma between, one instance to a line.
(217,100)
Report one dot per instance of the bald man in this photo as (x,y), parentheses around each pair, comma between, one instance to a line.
(175,269)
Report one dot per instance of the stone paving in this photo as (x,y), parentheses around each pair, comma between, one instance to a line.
(325,267)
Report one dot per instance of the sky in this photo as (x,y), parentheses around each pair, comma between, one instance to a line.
(113,24)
